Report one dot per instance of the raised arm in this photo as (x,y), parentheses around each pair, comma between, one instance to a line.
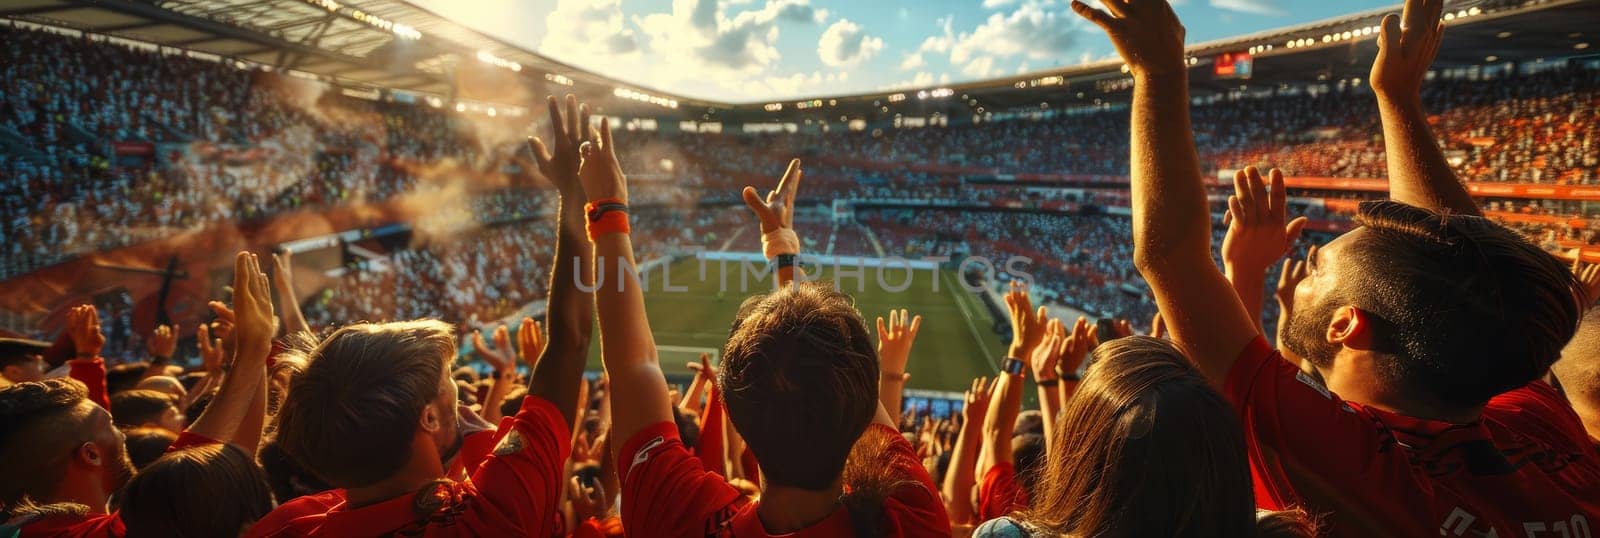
(1418,173)
(1171,220)
(241,401)
(283,282)
(1257,236)
(894,351)
(503,361)
(1046,361)
(962,474)
(570,308)
(83,330)
(1028,328)
(627,346)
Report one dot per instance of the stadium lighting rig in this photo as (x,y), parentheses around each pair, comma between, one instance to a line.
(664,102)
(489,58)
(399,30)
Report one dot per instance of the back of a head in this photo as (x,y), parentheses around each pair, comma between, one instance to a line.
(202,491)
(162,383)
(146,444)
(1145,447)
(125,376)
(800,383)
(1467,308)
(40,422)
(352,413)
(139,407)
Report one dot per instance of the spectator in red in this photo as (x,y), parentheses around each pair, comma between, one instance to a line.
(800,378)
(375,414)
(1431,324)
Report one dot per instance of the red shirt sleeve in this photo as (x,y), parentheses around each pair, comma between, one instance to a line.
(522,479)
(666,490)
(709,449)
(1307,445)
(999,493)
(475,448)
(914,507)
(92,372)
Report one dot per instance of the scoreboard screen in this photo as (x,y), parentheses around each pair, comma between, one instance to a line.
(1232,65)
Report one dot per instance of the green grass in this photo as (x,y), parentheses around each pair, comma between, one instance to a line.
(956,342)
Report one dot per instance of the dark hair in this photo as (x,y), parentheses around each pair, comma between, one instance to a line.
(352,413)
(1027,454)
(220,481)
(1294,523)
(513,401)
(125,376)
(688,423)
(288,480)
(1467,308)
(1145,447)
(198,404)
(800,382)
(147,443)
(138,407)
(40,423)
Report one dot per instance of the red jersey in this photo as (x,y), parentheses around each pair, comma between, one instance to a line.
(512,493)
(1524,468)
(667,492)
(92,372)
(999,493)
(91,526)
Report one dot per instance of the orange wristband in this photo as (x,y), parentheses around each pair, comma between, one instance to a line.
(608,222)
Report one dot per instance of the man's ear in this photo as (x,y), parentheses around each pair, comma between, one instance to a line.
(430,421)
(1350,327)
(89,453)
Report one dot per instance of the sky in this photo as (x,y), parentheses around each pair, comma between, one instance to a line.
(748,51)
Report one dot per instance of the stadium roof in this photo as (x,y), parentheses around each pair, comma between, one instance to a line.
(386,44)
(392,44)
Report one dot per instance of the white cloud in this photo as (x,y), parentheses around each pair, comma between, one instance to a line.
(980,67)
(575,26)
(845,44)
(1254,7)
(994,4)
(933,44)
(1031,30)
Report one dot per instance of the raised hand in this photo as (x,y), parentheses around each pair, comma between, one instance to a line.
(163,342)
(600,173)
(587,501)
(1027,325)
(1288,278)
(894,343)
(1257,236)
(1121,328)
(530,342)
(500,357)
(83,328)
(1077,346)
(294,321)
(1589,277)
(1048,354)
(1407,45)
(255,322)
(976,400)
(777,209)
(210,350)
(1146,33)
(560,163)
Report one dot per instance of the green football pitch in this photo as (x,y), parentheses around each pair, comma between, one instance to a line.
(956,342)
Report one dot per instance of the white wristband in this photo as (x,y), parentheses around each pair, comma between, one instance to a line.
(779,241)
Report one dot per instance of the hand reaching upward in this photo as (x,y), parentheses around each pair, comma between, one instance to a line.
(1406,47)
(894,343)
(1027,326)
(1257,235)
(83,328)
(1589,278)
(163,342)
(500,357)
(600,172)
(1146,33)
(255,323)
(776,213)
(530,342)
(560,163)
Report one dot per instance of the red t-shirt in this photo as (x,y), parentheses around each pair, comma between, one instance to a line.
(100,526)
(667,492)
(999,493)
(92,372)
(1525,468)
(512,493)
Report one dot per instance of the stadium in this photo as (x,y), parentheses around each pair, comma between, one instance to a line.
(380,152)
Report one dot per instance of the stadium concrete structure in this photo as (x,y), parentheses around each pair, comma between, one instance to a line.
(393,51)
